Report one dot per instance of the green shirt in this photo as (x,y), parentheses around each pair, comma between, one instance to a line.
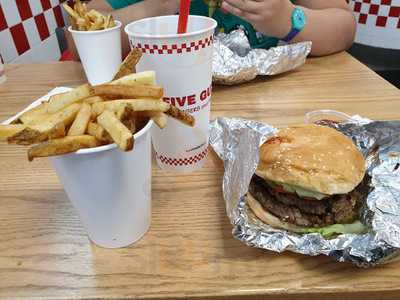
(226,22)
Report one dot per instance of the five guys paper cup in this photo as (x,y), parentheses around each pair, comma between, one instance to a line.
(100,52)
(183,64)
(110,189)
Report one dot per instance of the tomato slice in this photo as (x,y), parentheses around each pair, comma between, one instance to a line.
(279,189)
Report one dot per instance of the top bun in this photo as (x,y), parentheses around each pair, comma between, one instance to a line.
(316,158)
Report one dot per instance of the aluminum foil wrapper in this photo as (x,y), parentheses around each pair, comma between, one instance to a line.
(235,62)
(236,142)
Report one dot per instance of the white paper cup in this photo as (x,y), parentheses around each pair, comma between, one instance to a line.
(110,189)
(183,64)
(100,52)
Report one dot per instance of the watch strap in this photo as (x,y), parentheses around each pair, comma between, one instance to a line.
(291,35)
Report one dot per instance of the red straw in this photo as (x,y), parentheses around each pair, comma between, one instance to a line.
(183,16)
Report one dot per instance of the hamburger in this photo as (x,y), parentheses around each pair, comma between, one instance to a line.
(306,181)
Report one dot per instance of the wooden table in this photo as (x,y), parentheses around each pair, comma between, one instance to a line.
(189,251)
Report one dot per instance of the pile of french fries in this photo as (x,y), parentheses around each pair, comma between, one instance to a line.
(90,116)
(83,20)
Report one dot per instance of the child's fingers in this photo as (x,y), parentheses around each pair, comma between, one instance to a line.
(231,9)
(250,6)
(238,12)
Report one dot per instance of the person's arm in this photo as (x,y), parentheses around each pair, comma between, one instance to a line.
(144,9)
(330,24)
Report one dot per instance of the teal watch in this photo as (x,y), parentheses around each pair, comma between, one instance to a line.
(298,23)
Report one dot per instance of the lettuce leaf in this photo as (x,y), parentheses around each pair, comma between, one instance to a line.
(298,190)
(357,228)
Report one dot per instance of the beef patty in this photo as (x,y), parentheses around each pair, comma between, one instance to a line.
(293,209)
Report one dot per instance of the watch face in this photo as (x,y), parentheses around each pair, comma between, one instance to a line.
(298,18)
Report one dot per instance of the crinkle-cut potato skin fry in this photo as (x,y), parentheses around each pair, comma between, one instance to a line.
(134,90)
(136,104)
(59,101)
(118,131)
(63,145)
(146,77)
(81,121)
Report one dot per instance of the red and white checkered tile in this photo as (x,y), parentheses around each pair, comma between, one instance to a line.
(174,48)
(184,161)
(378,22)
(27,29)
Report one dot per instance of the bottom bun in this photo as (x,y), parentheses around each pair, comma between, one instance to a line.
(269,218)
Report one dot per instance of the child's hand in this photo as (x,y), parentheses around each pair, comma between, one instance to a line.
(272,17)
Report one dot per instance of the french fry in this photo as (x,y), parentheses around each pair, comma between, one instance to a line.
(128,66)
(112,23)
(85,8)
(97,25)
(127,116)
(16,121)
(136,104)
(147,78)
(64,145)
(57,131)
(107,21)
(7,131)
(36,134)
(79,8)
(94,15)
(59,101)
(93,99)
(66,115)
(83,25)
(70,11)
(134,90)
(158,117)
(49,127)
(81,121)
(73,23)
(83,20)
(180,115)
(120,112)
(119,133)
(35,115)
(99,133)
(88,22)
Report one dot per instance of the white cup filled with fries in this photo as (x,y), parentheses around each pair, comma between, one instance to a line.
(98,138)
(98,41)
